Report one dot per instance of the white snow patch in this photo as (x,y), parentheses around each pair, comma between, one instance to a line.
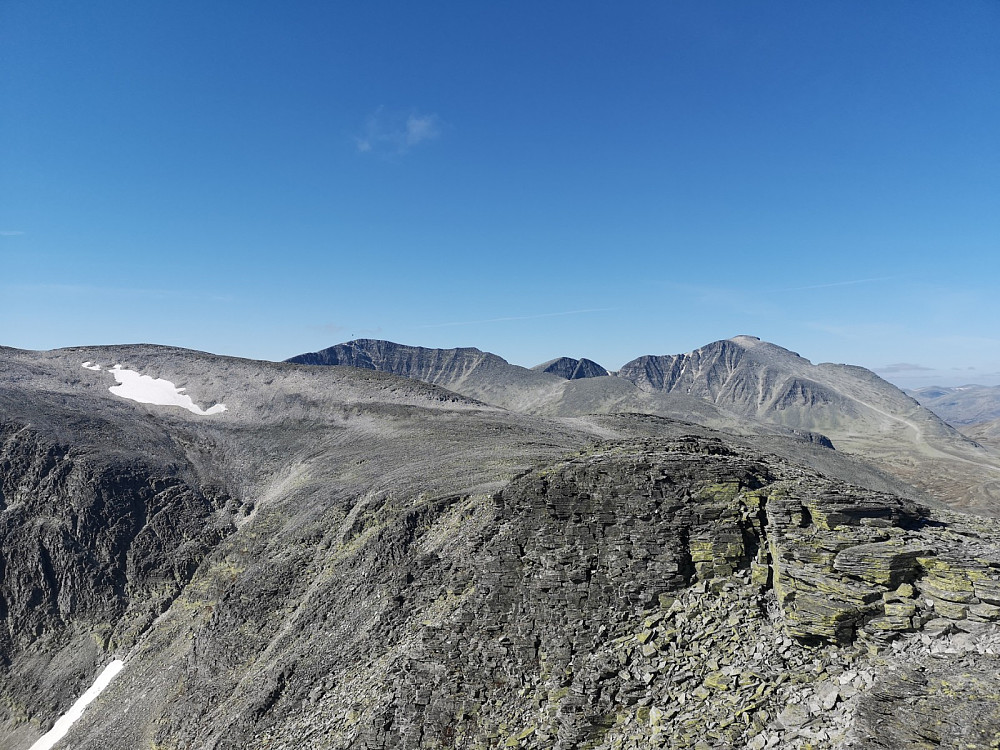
(149,390)
(91,366)
(65,721)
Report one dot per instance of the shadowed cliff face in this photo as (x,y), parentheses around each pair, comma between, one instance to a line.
(92,549)
(348,559)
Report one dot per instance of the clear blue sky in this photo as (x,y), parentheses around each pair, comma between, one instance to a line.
(534,179)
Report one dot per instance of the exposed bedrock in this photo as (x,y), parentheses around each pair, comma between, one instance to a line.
(621,599)
(654,593)
(572,369)
(91,551)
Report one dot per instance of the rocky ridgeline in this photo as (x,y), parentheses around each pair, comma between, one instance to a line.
(681,594)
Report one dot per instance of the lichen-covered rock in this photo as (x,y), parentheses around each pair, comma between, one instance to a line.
(932,704)
(889,563)
(652,595)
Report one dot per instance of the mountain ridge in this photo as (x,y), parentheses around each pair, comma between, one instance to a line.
(736,384)
(572,369)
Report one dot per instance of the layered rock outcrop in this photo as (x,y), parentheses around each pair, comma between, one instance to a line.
(676,594)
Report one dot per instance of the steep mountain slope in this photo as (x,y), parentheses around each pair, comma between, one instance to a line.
(344,558)
(468,371)
(859,411)
(760,380)
(961,405)
(109,506)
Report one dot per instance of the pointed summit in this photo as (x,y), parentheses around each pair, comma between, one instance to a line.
(572,369)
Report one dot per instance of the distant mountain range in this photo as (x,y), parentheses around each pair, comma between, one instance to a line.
(961,405)
(741,385)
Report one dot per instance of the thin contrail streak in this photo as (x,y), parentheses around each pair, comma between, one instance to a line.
(517,317)
(837,283)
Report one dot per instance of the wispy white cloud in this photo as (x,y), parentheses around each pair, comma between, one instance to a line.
(422,128)
(837,283)
(746,301)
(872,331)
(518,317)
(11,233)
(395,133)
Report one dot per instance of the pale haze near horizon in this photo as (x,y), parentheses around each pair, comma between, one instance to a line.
(537,181)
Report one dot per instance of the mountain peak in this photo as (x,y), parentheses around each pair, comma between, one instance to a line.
(572,369)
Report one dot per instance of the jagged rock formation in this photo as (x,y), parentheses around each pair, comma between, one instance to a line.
(572,369)
(606,601)
(92,549)
(760,380)
(490,378)
(417,362)
(349,559)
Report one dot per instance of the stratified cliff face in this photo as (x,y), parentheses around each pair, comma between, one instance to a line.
(416,362)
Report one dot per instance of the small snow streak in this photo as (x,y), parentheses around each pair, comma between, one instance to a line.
(61,727)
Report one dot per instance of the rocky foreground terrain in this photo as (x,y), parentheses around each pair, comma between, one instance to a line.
(345,558)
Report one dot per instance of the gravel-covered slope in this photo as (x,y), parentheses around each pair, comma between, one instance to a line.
(109,506)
